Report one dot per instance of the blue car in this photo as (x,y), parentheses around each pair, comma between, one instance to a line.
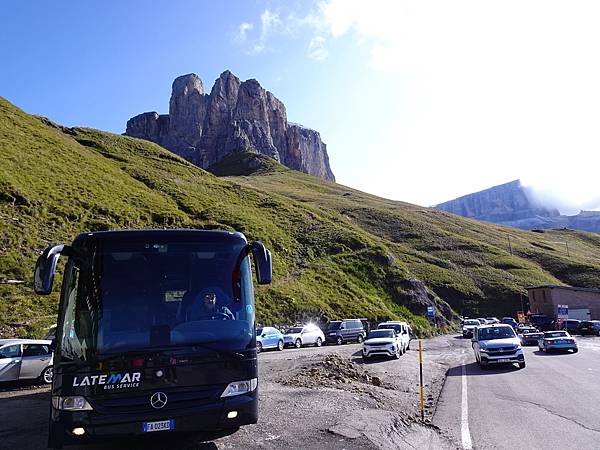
(268,337)
(557,340)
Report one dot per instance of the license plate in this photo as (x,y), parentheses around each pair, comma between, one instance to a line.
(503,360)
(163,425)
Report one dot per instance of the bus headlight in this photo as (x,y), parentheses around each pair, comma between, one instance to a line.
(240,387)
(74,403)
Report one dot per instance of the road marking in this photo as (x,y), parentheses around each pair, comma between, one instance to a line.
(464,426)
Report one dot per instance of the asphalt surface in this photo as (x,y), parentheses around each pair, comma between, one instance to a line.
(308,398)
(554,402)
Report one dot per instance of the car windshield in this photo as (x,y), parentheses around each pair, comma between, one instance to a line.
(381,334)
(555,334)
(472,322)
(294,330)
(389,326)
(487,334)
(133,295)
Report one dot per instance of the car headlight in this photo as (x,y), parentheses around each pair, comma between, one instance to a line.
(240,387)
(73,403)
(483,350)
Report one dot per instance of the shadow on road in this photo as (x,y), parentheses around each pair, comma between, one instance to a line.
(21,385)
(358,359)
(553,353)
(164,442)
(473,369)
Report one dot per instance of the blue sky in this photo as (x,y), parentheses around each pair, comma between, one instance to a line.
(417,101)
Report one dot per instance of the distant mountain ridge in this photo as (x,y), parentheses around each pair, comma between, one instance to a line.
(235,117)
(513,205)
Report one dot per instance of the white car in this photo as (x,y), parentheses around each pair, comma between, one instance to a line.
(383,342)
(304,335)
(25,359)
(402,330)
(497,344)
(469,326)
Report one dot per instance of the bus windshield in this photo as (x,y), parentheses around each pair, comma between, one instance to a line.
(138,296)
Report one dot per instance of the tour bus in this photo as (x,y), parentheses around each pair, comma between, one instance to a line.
(155,333)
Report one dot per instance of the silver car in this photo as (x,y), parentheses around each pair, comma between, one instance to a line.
(25,359)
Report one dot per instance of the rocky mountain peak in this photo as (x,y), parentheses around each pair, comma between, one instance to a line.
(515,205)
(235,116)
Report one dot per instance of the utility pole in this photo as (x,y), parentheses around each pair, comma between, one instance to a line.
(510,246)
(567,245)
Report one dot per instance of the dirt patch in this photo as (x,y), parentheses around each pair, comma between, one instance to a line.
(332,371)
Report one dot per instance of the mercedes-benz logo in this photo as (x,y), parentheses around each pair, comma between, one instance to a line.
(158,400)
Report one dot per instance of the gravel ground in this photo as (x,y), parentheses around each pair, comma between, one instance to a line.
(324,398)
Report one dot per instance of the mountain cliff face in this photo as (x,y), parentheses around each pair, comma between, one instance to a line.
(512,204)
(235,116)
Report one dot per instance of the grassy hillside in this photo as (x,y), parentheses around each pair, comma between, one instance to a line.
(337,251)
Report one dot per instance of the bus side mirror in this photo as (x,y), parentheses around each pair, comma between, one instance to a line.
(45,268)
(263,262)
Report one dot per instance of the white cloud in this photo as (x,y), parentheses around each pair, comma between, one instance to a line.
(492,91)
(242,34)
(317,50)
(270,23)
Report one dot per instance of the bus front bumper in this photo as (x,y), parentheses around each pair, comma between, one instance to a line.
(216,419)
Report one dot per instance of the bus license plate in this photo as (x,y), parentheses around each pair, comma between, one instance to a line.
(503,360)
(163,425)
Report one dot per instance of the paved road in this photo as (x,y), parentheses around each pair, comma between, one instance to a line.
(553,403)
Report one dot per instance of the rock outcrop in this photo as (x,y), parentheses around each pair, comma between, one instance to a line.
(235,117)
(513,205)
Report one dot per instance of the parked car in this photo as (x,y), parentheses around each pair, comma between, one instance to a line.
(491,320)
(348,330)
(570,325)
(468,326)
(482,321)
(383,342)
(589,327)
(269,337)
(402,330)
(497,344)
(25,359)
(510,321)
(557,340)
(304,335)
(530,335)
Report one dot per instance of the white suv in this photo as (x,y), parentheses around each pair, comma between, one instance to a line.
(382,342)
(402,330)
(497,344)
(302,335)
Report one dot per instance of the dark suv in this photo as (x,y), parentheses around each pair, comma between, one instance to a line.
(349,330)
(571,325)
(589,327)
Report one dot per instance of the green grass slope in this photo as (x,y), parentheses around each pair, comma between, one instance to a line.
(337,252)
